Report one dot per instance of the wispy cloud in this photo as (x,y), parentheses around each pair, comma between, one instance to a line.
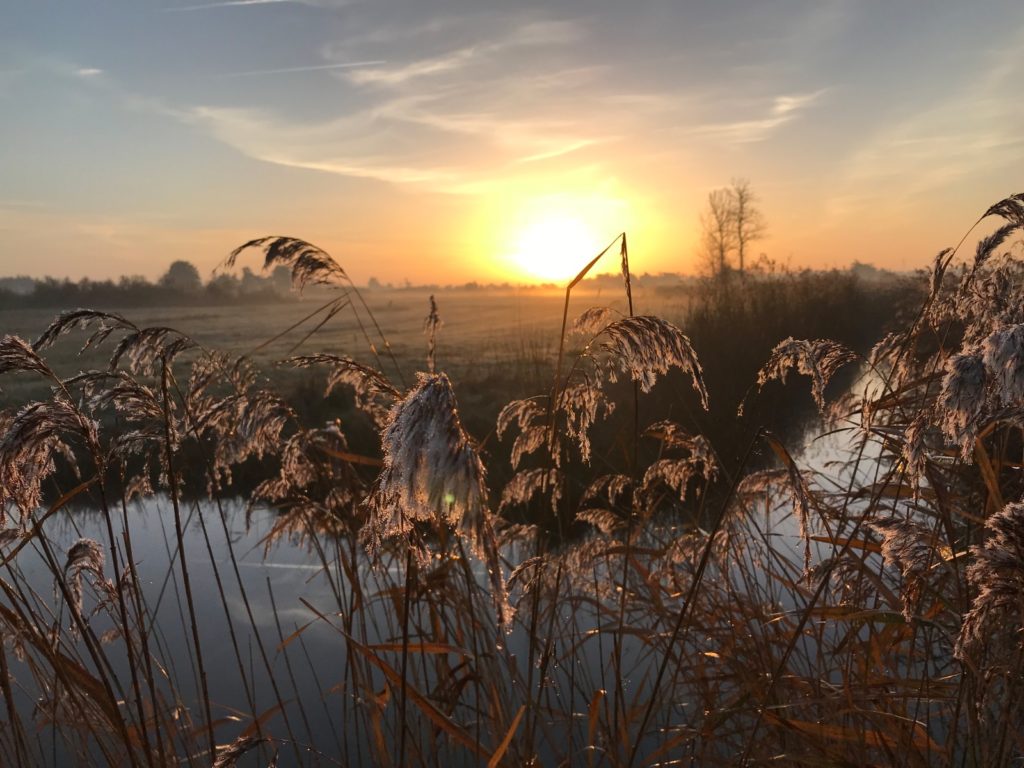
(447,119)
(783,109)
(228,4)
(311,68)
(88,72)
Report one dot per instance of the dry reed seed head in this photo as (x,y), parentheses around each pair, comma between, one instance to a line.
(988,245)
(763,482)
(1010,208)
(675,473)
(28,447)
(372,394)
(962,400)
(912,549)
(432,473)
(670,433)
(514,534)
(939,265)
(579,563)
(915,448)
(611,486)
(605,520)
(84,556)
(309,264)
(16,354)
(131,400)
(528,483)
(529,441)
(893,354)
(819,359)
(148,349)
(997,573)
(1003,355)
(645,347)
(594,320)
(523,413)
(430,466)
(526,573)
(989,300)
(307,469)
(581,405)
(530,419)
(106,323)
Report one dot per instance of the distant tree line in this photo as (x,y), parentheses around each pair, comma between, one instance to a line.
(181,284)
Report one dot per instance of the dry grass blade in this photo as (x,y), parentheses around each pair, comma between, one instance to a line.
(506,741)
(435,715)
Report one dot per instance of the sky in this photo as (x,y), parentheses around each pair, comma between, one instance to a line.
(462,140)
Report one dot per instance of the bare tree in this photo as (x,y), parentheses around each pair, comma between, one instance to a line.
(747,220)
(731,222)
(719,232)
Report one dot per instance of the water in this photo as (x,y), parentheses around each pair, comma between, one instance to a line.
(229,550)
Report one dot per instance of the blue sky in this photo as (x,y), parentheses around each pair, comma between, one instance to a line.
(415,139)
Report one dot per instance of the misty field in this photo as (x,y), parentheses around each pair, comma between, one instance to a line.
(522,528)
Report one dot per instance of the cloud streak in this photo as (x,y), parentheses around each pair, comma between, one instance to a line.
(228,4)
(311,68)
(784,109)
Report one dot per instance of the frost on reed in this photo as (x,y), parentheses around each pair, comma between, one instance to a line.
(676,473)
(374,394)
(80,319)
(581,404)
(594,320)
(31,441)
(141,348)
(820,359)
(527,483)
(84,556)
(962,399)
(1003,355)
(997,573)
(17,355)
(644,347)
(911,548)
(432,474)
(528,416)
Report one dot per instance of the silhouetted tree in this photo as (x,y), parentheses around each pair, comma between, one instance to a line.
(719,233)
(182,276)
(731,222)
(748,221)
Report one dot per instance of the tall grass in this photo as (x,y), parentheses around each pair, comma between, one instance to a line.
(863,611)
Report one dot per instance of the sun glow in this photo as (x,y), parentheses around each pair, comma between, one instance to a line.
(555,247)
(550,238)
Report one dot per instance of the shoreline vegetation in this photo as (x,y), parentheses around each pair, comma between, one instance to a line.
(571,552)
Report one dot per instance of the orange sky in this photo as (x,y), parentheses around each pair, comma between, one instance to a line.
(454,141)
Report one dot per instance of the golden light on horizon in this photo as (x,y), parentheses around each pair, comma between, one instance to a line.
(551,238)
(555,247)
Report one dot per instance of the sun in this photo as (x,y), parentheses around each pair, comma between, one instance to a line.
(555,246)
